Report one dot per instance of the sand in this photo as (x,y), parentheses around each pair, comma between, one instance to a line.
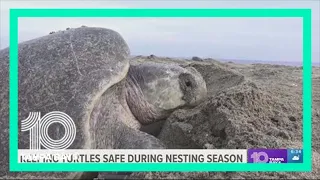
(248,106)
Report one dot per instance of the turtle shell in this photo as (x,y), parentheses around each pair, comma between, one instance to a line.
(65,71)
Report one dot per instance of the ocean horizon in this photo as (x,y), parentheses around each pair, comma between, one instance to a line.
(243,61)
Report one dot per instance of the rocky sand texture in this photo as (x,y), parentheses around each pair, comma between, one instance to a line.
(248,106)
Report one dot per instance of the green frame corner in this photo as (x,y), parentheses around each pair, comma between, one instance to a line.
(305,14)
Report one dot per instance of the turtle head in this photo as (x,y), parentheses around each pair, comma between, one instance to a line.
(193,87)
(162,88)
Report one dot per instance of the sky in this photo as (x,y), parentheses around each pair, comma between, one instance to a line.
(259,39)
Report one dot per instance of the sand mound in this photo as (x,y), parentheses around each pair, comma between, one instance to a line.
(217,77)
(242,116)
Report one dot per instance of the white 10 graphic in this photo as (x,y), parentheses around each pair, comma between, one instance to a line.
(39,127)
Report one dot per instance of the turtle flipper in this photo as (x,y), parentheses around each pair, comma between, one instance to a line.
(131,139)
(136,139)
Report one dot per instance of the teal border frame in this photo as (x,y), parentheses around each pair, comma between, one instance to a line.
(305,14)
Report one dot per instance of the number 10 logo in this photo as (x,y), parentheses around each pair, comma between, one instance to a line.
(39,127)
(256,156)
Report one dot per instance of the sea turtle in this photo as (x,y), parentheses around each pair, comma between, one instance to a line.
(85,72)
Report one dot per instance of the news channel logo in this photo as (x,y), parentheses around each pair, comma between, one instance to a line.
(275,156)
(38,128)
(267,156)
